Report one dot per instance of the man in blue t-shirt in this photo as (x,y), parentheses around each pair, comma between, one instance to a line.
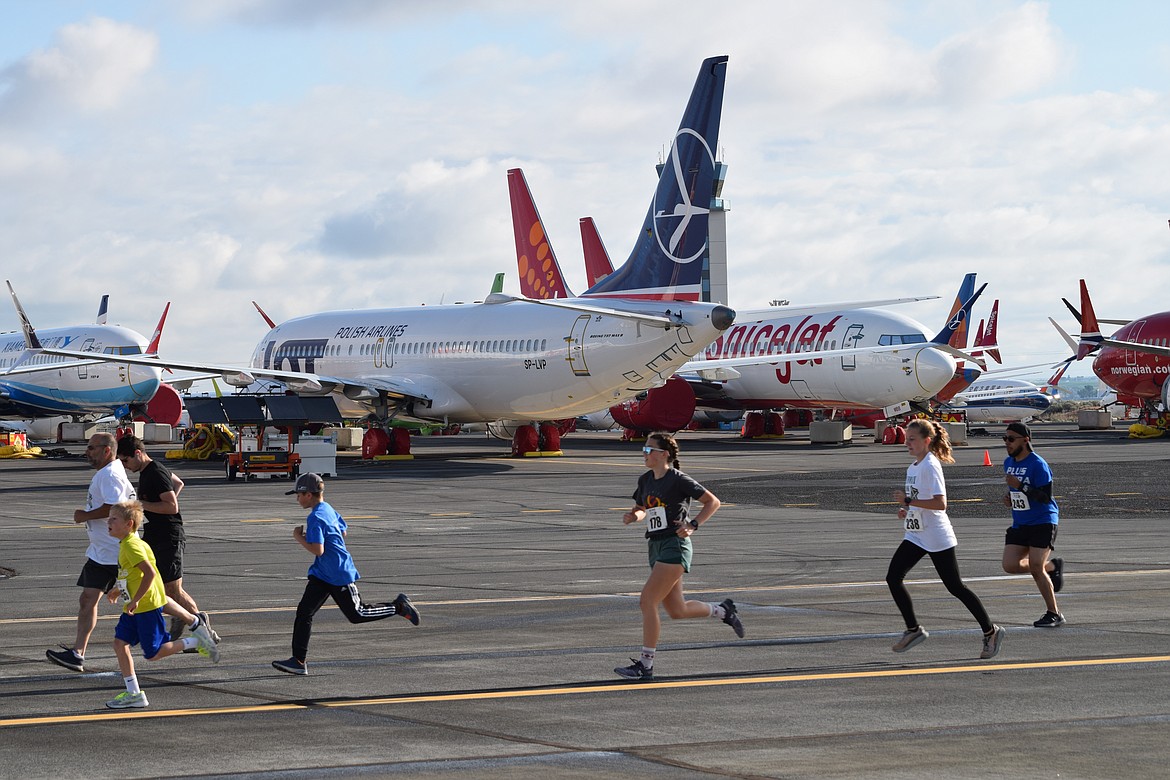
(332,575)
(1034,519)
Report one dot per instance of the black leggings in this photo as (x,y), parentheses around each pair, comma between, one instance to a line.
(347,598)
(947,567)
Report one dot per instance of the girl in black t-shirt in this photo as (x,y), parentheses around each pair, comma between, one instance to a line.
(663,499)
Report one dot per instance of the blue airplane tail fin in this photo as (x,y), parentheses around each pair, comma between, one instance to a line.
(103,310)
(667,260)
(954,333)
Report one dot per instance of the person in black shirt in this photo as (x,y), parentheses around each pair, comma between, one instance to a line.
(663,499)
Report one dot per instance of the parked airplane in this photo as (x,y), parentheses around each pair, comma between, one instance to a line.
(37,383)
(866,376)
(511,357)
(992,399)
(1134,361)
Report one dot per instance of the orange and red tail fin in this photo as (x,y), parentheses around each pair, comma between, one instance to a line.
(540,273)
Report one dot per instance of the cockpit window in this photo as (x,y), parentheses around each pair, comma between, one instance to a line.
(903,338)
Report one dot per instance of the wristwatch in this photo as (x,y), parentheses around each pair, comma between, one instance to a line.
(694,524)
(907,500)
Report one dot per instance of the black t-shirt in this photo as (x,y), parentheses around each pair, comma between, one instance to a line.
(153,481)
(674,492)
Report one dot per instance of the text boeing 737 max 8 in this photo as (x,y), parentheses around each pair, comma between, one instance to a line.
(514,358)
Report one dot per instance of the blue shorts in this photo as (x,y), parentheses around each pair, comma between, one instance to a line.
(146,628)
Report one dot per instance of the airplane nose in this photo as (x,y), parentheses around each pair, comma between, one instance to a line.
(144,380)
(722,317)
(933,369)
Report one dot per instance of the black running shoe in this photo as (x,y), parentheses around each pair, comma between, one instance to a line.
(1049,620)
(291,666)
(66,657)
(636,671)
(1057,574)
(731,617)
(403,607)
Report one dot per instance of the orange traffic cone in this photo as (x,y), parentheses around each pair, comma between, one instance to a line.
(986,457)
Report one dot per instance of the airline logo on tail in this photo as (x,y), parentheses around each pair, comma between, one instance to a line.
(666,261)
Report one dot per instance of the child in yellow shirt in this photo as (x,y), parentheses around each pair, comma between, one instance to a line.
(140,590)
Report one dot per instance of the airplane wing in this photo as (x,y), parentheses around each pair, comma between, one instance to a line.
(1135,346)
(18,369)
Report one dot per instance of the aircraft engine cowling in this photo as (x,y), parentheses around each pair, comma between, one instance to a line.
(1166,395)
(666,408)
(165,408)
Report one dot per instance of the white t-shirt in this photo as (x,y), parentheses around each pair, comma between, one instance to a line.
(930,529)
(108,486)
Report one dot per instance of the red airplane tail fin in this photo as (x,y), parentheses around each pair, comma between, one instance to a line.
(1090,331)
(990,336)
(597,262)
(152,347)
(540,273)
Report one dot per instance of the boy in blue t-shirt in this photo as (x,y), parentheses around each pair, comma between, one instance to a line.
(331,575)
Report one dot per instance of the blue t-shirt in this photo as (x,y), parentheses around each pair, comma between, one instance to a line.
(335,566)
(1033,472)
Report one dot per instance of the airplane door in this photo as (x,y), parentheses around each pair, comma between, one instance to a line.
(1130,354)
(576,343)
(850,340)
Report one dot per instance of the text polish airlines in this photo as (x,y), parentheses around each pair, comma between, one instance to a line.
(871,359)
(80,383)
(1134,361)
(513,358)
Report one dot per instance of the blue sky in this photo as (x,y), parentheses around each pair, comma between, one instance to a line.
(314,155)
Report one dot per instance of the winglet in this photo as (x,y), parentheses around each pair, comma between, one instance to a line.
(1090,331)
(597,262)
(30,336)
(267,319)
(152,347)
(497,284)
(103,310)
(540,273)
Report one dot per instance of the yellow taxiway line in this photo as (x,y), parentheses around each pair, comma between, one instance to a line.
(623,687)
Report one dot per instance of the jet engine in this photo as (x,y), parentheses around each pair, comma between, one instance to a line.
(666,408)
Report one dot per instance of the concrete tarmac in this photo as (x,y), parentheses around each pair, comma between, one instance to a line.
(528,584)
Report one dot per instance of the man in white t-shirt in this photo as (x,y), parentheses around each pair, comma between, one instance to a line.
(109,486)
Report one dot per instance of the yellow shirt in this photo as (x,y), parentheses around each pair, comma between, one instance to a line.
(131,552)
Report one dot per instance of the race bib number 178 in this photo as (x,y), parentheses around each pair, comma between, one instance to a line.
(656,519)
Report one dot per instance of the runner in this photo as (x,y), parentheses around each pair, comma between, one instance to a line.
(332,574)
(1035,516)
(158,490)
(929,532)
(141,594)
(663,499)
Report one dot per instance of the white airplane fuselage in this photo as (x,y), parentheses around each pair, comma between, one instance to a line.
(867,380)
(65,387)
(491,361)
(1004,400)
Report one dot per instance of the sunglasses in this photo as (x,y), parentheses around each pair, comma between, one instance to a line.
(648,450)
(1010,439)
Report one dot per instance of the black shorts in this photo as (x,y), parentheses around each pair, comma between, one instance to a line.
(1041,535)
(167,544)
(98,575)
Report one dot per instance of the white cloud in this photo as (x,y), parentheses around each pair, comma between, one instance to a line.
(91,67)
